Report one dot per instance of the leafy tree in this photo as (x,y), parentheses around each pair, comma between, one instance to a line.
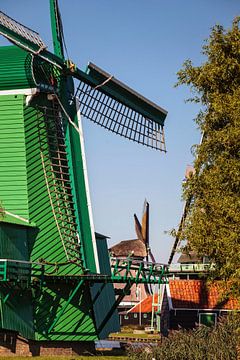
(212,226)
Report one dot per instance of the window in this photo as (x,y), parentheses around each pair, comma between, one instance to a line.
(135,315)
(126,317)
(145,316)
(207,319)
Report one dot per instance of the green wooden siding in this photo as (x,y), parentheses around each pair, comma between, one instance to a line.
(15,69)
(15,304)
(76,167)
(75,160)
(24,193)
(103,302)
(45,241)
(16,312)
(76,323)
(13,242)
(13,177)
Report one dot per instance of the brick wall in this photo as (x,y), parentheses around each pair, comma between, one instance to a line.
(11,344)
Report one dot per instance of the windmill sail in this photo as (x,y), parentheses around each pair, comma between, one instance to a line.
(114,106)
(27,39)
(145,230)
(18,33)
(103,99)
(145,222)
(142,230)
(138,228)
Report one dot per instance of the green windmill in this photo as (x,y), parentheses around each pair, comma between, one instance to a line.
(55,277)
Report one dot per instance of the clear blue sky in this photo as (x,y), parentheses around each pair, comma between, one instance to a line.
(143,43)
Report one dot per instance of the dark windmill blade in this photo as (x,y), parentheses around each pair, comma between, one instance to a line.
(111,104)
(142,230)
(145,234)
(145,222)
(138,228)
(145,226)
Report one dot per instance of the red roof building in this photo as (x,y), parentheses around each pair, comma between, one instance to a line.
(184,304)
(145,305)
(197,294)
(189,303)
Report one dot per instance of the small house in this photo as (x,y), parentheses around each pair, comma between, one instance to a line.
(141,313)
(183,304)
(189,303)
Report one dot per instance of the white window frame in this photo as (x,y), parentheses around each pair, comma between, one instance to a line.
(207,313)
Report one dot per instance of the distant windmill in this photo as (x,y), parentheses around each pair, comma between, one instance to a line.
(142,230)
(138,249)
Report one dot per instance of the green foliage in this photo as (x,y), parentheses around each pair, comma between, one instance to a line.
(220,342)
(212,226)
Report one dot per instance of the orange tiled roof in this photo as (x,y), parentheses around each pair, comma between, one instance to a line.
(197,294)
(191,294)
(145,306)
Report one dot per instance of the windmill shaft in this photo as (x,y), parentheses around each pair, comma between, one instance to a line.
(56,29)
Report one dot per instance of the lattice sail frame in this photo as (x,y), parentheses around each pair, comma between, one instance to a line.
(112,104)
(21,30)
(104,102)
(119,118)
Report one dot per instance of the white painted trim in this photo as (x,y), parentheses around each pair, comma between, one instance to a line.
(138,304)
(16,216)
(30,91)
(162,290)
(81,138)
(205,313)
(21,261)
(169,297)
(128,303)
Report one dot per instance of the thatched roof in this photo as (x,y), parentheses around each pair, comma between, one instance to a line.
(189,258)
(135,248)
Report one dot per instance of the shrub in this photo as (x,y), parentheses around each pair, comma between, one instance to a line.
(204,343)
